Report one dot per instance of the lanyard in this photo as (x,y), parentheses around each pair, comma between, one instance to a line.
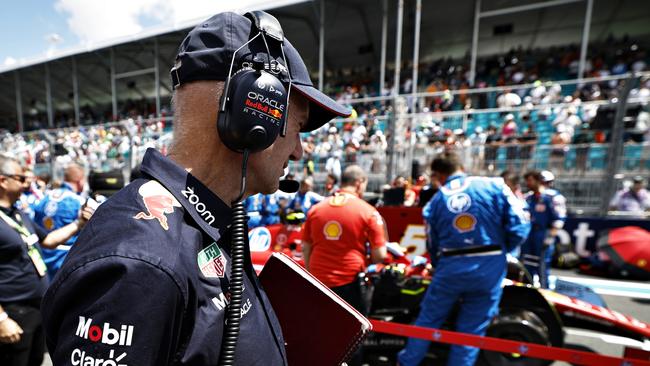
(21,229)
(29,239)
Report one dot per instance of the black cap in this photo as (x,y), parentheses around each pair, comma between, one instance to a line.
(207,51)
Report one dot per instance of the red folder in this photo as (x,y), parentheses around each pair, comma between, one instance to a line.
(319,327)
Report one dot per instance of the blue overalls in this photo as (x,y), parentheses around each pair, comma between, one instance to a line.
(543,216)
(271,209)
(304,201)
(254,206)
(57,209)
(471,223)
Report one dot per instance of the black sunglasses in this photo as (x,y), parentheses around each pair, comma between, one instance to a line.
(18,177)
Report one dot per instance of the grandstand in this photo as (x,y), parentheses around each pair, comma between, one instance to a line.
(571,75)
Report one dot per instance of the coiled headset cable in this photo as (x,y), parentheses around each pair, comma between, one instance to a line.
(237,254)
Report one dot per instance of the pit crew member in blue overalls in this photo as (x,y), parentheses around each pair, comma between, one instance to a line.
(148,280)
(537,251)
(470,223)
(59,208)
(305,198)
(271,208)
(559,201)
(254,206)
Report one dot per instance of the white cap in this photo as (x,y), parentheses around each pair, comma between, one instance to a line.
(547,176)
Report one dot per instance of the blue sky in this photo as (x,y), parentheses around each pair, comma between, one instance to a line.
(35,28)
(24,26)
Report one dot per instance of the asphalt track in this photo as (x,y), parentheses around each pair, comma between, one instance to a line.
(628,297)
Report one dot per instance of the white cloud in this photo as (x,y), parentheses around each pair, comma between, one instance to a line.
(10,61)
(94,21)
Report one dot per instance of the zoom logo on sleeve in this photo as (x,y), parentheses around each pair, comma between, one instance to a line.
(199,206)
(105,334)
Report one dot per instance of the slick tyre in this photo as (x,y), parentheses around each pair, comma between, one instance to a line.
(517,325)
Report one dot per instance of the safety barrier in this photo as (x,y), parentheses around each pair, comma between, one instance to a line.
(523,349)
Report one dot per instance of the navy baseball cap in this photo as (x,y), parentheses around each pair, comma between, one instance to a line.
(207,51)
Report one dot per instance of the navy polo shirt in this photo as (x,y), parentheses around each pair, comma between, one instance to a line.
(19,280)
(147,281)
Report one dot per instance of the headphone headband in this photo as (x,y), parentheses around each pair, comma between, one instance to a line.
(267,24)
(255,102)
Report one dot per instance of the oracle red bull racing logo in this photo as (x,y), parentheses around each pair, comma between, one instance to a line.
(264,107)
(158,202)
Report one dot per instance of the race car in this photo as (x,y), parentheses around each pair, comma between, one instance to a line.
(526,313)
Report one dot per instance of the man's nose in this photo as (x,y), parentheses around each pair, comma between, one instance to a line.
(296,154)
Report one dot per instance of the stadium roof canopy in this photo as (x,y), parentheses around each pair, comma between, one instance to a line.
(111,77)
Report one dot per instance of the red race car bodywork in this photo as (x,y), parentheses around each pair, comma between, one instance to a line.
(405,226)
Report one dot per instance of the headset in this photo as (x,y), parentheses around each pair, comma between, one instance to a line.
(252,113)
(255,102)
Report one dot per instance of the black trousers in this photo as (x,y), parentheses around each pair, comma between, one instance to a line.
(31,347)
(353,294)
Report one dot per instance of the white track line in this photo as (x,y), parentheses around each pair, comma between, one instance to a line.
(639,290)
(607,338)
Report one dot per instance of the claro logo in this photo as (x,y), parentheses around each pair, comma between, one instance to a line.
(106,334)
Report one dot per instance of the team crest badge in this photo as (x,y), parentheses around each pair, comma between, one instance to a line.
(459,202)
(332,230)
(48,222)
(158,202)
(212,262)
(51,207)
(464,222)
(338,200)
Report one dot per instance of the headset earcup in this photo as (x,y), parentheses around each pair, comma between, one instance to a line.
(254,113)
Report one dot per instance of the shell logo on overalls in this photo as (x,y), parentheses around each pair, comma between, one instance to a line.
(332,230)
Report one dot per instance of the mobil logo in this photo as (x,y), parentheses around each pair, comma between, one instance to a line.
(259,239)
(106,334)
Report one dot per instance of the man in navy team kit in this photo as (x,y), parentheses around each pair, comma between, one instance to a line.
(471,223)
(147,282)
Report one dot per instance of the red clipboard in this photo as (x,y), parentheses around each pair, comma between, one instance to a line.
(319,327)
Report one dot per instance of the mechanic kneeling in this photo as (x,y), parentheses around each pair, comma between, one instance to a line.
(471,224)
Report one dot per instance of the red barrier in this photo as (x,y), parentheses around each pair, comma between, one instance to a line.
(504,345)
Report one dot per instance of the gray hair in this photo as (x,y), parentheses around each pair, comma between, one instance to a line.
(7,164)
(351,175)
(187,110)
